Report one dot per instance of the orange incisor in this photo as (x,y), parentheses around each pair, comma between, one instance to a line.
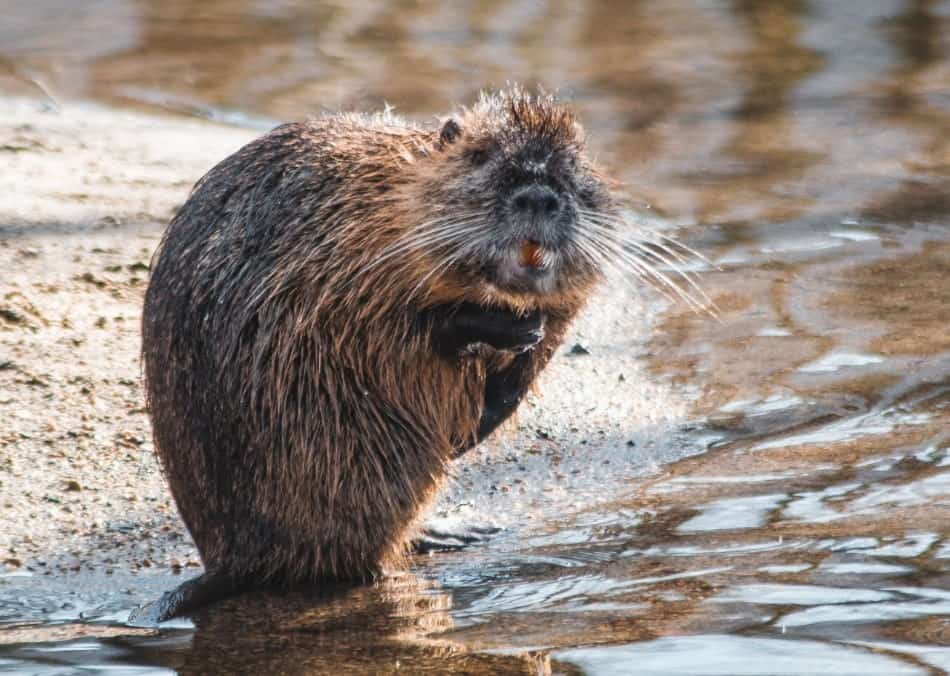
(532,255)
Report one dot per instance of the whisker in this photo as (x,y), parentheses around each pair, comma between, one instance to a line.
(599,258)
(707,301)
(665,279)
(443,266)
(689,250)
(418,241)
(643,265)
(413,249)
(647,247)
(672,241)
(609,256)
(416,237)
(643,242)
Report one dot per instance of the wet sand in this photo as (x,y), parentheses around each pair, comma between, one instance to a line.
(85,195)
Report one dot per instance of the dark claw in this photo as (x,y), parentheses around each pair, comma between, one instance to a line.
(468,325)
(506,331)
(529,340)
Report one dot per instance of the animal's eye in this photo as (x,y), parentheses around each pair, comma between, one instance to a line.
(450,132)
(477,157)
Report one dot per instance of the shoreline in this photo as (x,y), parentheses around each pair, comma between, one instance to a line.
(83,203)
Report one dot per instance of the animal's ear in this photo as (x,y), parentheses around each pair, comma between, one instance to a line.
(450,132)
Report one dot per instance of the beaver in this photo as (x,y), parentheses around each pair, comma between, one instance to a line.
(342,307)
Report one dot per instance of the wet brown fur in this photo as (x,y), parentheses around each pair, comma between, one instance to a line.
(299,411)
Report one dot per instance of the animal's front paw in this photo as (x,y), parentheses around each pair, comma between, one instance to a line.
(499,329)
(463,328)
(504,330)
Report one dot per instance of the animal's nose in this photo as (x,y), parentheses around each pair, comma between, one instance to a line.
(536,201)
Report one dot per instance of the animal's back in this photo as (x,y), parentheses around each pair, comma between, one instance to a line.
(297,433)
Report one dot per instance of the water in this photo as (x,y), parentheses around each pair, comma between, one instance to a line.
(785,508)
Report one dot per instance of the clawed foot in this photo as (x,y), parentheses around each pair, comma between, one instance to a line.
(507,331)
(437,539)
(469,325)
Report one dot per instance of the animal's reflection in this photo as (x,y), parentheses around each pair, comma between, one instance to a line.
(340,630)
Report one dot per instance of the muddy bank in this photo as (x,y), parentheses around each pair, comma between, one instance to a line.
(84,195)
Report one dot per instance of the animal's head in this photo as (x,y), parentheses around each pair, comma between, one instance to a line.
(509,201)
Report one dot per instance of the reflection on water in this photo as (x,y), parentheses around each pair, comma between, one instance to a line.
(804,146)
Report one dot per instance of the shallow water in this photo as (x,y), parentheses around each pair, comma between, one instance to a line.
(797,521)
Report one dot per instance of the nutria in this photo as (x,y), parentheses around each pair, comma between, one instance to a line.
(345,305)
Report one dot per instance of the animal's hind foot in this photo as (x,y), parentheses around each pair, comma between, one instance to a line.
(189,596)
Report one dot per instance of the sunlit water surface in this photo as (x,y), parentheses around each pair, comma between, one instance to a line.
(792,516)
